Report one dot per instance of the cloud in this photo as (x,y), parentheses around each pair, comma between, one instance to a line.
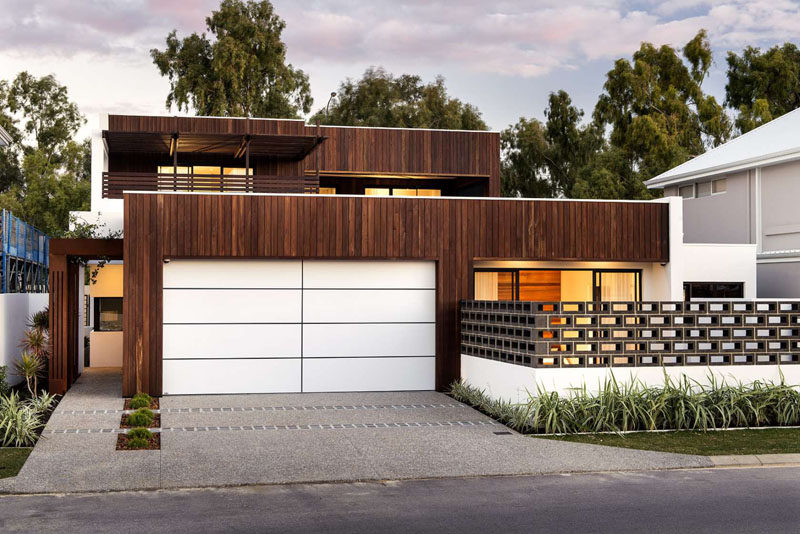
(515,38)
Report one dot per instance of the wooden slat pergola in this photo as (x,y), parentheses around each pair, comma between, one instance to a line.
(67,257)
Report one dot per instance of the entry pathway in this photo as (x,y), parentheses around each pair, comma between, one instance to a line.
(219,440)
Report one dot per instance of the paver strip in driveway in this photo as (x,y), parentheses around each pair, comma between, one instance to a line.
(220,440)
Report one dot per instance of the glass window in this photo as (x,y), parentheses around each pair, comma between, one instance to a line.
(552,285)
(703,189)
(237,171)
(719,186)
(618,286)
(163,169)
(108,314)
(396,192)
(540,286)
(494,285)
(713,290)
(429,192)
(687,191)
(377,191)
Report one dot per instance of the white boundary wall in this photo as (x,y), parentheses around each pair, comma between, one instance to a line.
(513,382)
(15,308)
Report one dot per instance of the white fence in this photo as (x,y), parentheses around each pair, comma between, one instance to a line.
(15,309)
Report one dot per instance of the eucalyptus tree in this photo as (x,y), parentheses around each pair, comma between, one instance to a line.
(239,69)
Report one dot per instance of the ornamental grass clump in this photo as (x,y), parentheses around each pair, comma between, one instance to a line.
(139,438)
(21,420)
(141,400)
(141,417)
(679,404)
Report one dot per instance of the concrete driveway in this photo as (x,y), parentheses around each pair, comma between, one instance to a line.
(219,440)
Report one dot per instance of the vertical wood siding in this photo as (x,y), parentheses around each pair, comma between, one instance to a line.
(346,149)
(452,232)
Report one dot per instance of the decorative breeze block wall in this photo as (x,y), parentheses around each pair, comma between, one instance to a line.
(625,334)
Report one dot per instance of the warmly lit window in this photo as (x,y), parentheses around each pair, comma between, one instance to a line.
(377,191)
(719,186)
(540,286)
(404,192)
(327,190)
(551,285)
(170,169)
(494,285)
(703,189)
(687,191)
(618,286)
(237,171)
(108,314)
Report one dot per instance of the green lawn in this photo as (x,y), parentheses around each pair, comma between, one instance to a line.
(12,460)
(784,440)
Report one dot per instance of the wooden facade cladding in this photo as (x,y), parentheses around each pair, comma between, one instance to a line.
(66,278)
(452,232)
(345,151)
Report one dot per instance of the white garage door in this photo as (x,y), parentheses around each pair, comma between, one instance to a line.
(264,326)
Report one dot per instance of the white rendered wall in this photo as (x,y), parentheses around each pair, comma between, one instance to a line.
(105,349)
(15,309)
(513,382)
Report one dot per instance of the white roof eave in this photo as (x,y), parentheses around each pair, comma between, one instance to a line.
(662,181)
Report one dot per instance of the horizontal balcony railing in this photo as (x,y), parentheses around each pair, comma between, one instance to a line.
(115,183)
(632,334)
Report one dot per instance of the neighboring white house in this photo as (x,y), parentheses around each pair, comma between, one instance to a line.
(5,139)
(746,191)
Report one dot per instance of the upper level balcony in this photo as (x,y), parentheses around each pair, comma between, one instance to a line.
(115,183)
(245,155)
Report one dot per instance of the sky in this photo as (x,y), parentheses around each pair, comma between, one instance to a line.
(505,57)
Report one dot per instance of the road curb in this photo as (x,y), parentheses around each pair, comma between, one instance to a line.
(753,460)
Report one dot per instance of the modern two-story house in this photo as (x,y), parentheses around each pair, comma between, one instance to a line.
(746,191)
(263,255)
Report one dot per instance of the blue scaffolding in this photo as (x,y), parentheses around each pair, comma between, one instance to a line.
(24,256)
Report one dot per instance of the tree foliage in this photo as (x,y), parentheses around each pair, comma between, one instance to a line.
(48,170)
(241,71)
(651,116)
(763,85)
(656,110)
(381,99)
(547,160)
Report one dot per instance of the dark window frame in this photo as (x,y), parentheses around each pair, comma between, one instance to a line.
(97,302)
(596,282)
(689,288)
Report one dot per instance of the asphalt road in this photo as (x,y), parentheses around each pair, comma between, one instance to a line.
(718,500)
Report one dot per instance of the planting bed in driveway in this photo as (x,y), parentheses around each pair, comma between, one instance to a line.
(154,443)
(155,424)
(720,442)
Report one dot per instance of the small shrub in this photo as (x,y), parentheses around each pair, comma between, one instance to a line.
(19,422)
(141,400)
(141,417)
(138,443)
(140,433)
(42,403)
